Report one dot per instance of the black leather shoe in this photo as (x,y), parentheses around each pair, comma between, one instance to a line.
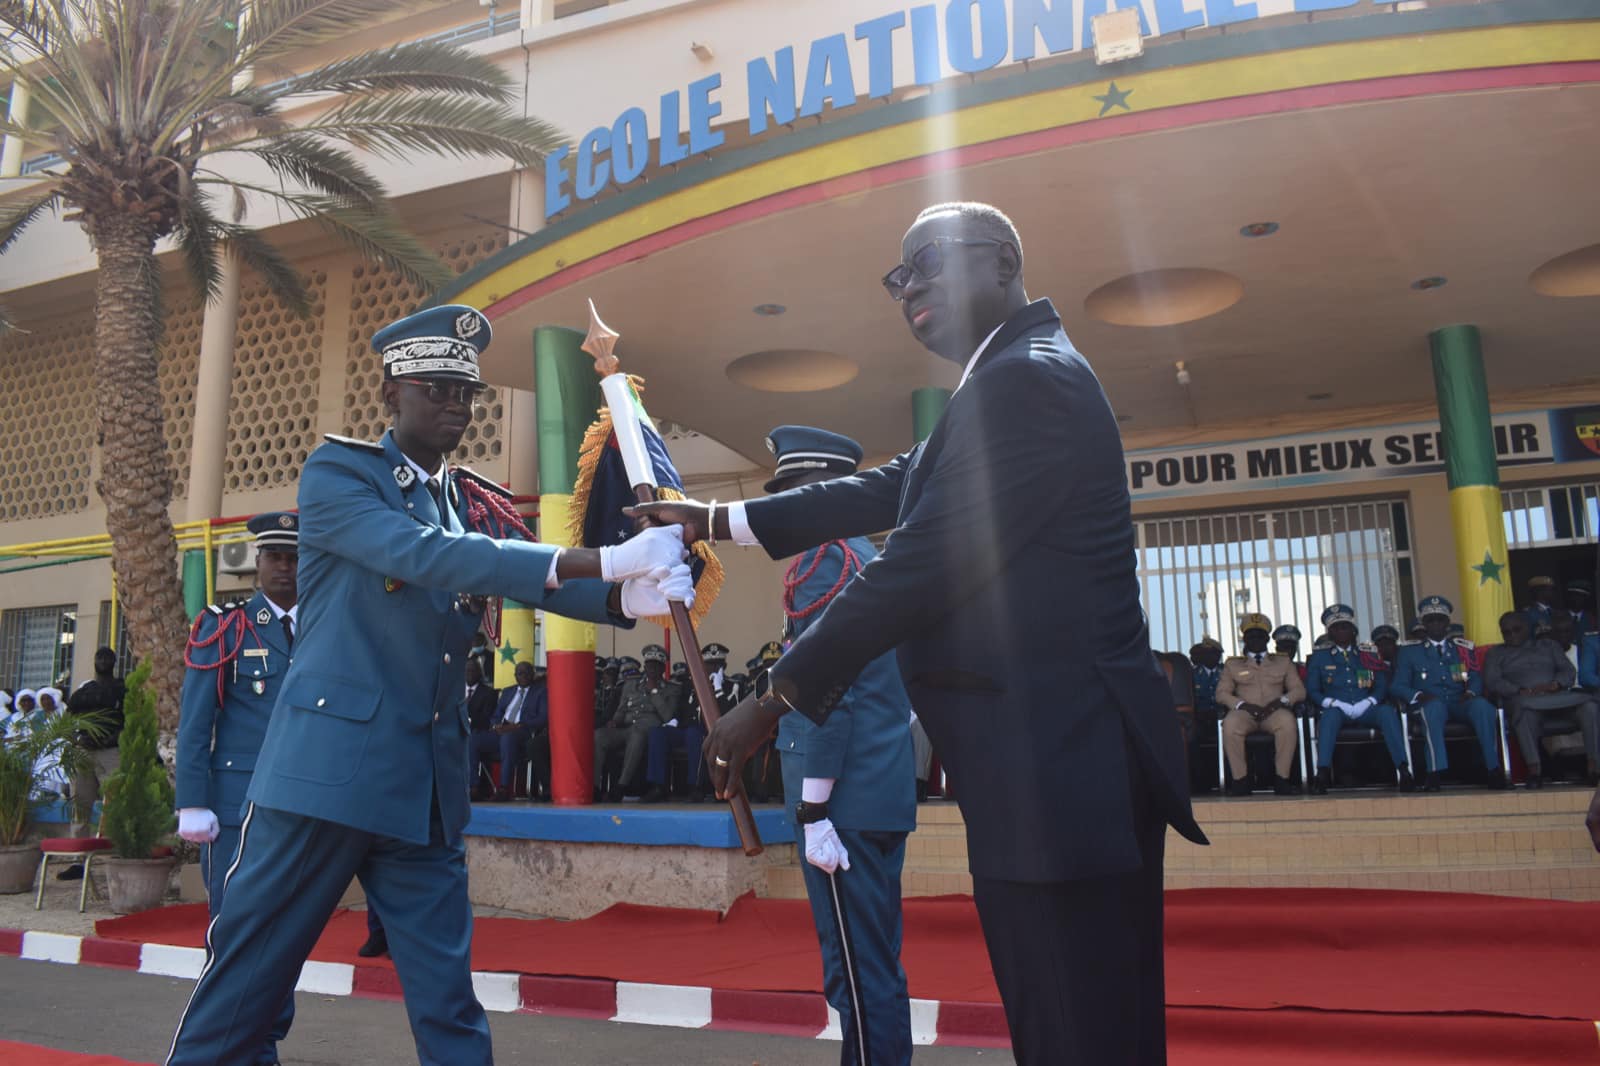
(1407,782)
(614,796)
(1430,781)
(1535,780)
(377,944)
(922,791)
(696,796)
(1282,786)
(1322,782)
(1238,786)
(1497,779)
(654,794)
(71,873)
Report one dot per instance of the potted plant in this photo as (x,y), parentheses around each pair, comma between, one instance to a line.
(36,755)
(138,807)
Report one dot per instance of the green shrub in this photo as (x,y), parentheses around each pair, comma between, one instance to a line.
(138,797)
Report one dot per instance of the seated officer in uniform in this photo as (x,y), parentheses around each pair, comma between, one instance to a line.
(645,703)
(1532,678)
(687,729)
(1416,631)
(1206,661)
(237,656)
(849,784)
(1386,638)
(1346,683)
(1259,690)
(1580,602)
(1286,642)
(363,769)
(1541,601)
(1437,675)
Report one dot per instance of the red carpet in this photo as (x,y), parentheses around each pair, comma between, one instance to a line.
(14,1054)
(1309,976)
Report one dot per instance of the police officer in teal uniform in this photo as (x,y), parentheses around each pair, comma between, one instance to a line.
(363,769)
(1350,683)
(850,785)
(1436,674)
(237,656)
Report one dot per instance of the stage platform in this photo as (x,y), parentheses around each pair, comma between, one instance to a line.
(1513,843)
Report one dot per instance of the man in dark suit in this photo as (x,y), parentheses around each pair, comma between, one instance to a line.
(480,715)
(522,713)
(1012,547)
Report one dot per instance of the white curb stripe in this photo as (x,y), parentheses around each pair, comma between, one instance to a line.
(924,1021)
(169,961)
(683,1006)
(52,947)
(498,991)
(834,1030)
(326,978)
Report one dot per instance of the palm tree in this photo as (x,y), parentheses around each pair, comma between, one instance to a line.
(145,101)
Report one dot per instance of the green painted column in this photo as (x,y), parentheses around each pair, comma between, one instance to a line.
(927,405)
(194,582)
(1472,471)
(566,399)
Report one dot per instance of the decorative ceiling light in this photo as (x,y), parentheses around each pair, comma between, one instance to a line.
(1434,282)
(769,310)
(1258,229)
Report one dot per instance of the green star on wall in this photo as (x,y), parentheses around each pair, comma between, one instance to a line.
(1114,97)
(1488,570)
(508,653)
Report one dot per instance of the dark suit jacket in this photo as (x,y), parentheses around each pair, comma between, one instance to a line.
(1008,589)
(535,707)
(480,707)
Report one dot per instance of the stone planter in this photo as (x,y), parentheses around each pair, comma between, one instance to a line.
(18,864)
(136,884)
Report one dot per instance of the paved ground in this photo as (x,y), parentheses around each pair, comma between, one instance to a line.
(133,1015)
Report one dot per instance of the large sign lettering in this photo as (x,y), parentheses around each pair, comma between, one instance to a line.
(1564,435)
(966,36)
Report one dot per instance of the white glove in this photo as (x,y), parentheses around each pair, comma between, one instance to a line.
(637,556)
(824,849)
(1361,708)
(671,722)
(648,596)
(198,825)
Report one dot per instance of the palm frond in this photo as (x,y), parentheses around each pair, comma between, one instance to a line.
(280,28)
(377,234)
(398,126)
(197,236)
(261,255)
(416,67)
(321,167)
(17,216)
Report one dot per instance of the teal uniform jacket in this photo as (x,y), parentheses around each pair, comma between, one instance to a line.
(370,728)
(866,742)
(1419,669)
(218,741)
(1334,674)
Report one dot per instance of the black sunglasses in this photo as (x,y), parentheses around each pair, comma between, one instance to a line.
(443,392)
(926,263)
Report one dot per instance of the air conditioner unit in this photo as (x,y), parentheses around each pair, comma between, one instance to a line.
(237,557)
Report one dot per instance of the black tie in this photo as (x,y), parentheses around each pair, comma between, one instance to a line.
(1258,658)
(436,490)
(288,630)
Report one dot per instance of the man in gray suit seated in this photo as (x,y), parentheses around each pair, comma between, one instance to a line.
(1533,678)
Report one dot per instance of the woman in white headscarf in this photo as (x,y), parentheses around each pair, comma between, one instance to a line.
(24,705)
(47,773)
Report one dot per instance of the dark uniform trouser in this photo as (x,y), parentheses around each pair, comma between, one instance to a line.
(857,913)
(215,858)
(663,739)
(633,740)
(287,878)
(1079,964)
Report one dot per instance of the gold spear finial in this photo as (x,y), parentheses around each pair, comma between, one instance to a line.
(601,339)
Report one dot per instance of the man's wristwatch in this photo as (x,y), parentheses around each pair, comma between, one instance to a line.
(810,813)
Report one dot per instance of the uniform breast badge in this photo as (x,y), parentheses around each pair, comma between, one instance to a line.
(404,476)
(259,687)
(263,616)
(393,584)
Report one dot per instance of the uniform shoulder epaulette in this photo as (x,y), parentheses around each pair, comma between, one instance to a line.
(350,442)
(1371,648)
(1463,642)
(220,609)
(1409,643)
(1233,659)
(478,479)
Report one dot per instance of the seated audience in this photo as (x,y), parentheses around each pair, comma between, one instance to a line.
(1533,678)
(646,702)
(1439,676)
(686,730)
(1260,690)
(1346,683)
(521,712)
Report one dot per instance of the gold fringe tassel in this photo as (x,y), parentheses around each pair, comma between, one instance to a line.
(595,440)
